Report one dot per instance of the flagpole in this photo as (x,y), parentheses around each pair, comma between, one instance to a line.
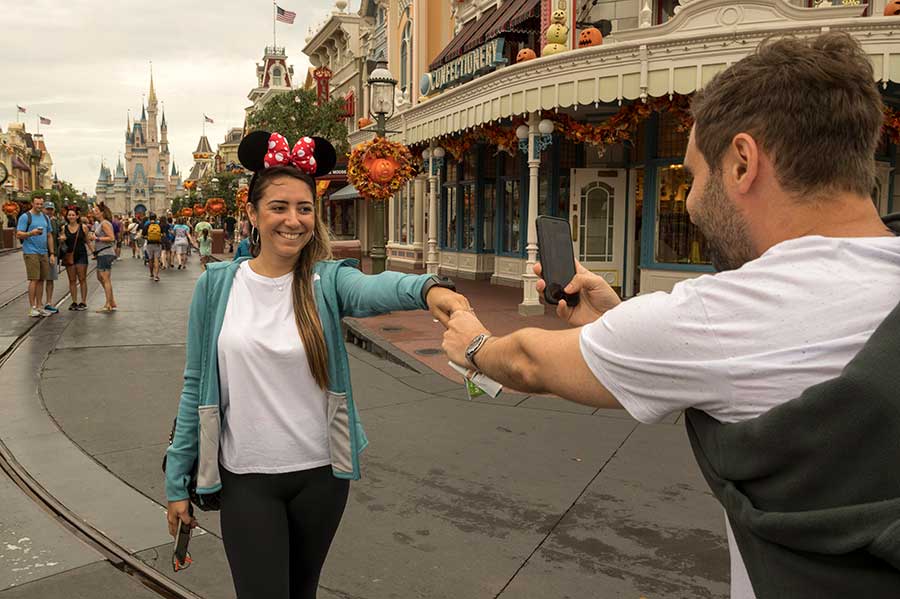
(274,13)
(39,125)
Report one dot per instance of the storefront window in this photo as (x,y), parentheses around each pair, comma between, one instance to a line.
(450,218)
(544,186)
(341,215)
(678,241)
(467,197)
(672,141)
(490,209)
(568,158)
(512,203)
(403,214)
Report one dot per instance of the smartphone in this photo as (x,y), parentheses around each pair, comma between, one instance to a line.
(557,259)
(181,559)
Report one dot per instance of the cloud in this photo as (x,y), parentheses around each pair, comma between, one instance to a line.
(85,63)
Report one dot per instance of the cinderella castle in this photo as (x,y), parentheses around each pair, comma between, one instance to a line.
(148,181)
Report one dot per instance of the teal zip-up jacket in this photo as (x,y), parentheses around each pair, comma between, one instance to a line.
(340,290)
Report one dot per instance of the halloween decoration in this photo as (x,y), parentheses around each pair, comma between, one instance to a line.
(557,32)
(528,54)
(593,37)
(379,168)
(892,8)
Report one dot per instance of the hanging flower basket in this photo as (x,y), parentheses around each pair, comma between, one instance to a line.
(187,212)
(379,168)
(215,206)
(199,210)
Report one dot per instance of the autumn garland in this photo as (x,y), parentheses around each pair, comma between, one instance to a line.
(379,147)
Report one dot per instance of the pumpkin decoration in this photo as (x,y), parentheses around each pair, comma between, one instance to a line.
(528,54)
(189,185)
(364,122)
(11,208)
(381,170)
(593,37)
(215,206)
(199,210)
(892,8)
(187,212)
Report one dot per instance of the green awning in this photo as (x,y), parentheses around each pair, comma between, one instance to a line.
(345,193)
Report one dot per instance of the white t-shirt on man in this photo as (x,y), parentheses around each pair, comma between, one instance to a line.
(739,343)
(274,413)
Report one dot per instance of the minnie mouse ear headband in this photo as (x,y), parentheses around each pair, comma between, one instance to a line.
(260,150)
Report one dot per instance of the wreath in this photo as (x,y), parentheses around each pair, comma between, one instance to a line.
(380,154)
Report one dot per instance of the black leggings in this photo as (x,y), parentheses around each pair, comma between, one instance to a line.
(277,529)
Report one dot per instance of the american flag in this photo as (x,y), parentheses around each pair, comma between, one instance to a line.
(44,120)
(285,16)
(208,120)
(20,108)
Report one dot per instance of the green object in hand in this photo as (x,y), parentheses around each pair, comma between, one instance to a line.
(473,390)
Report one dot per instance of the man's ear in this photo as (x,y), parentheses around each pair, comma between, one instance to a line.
(743,156)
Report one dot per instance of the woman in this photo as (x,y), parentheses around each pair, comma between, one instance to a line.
(265,355)
(182,234)
(75,236)
(104,239)
(204,247)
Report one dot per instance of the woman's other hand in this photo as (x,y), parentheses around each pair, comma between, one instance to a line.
(443,302)
(180,511)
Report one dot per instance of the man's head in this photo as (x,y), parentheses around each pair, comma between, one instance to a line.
(49,208)
(37,204)
(786,129)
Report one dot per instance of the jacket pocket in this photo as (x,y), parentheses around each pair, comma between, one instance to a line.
(339,442)
(208,458)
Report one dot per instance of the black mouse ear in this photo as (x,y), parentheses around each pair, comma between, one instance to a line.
(253,150)
(326,156)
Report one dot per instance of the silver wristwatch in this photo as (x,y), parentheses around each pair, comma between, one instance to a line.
(476,344)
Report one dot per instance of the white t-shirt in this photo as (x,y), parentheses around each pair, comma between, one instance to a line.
(274,413)
(739,343)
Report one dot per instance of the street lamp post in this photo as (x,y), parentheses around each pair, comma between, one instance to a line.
(381,107)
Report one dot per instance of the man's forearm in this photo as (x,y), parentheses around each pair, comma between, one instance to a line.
(508,361)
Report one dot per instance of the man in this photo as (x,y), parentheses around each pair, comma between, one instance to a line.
(53,272)
(32,230)
(230,225)
(153,233)
(782,158)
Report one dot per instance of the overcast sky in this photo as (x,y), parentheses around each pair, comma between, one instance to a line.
(85,63)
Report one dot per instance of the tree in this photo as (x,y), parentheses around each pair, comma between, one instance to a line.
(296,113)
(63,194)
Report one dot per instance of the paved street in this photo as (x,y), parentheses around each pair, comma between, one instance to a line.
(518,498)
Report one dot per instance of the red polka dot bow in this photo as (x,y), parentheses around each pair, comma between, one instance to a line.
(280,154)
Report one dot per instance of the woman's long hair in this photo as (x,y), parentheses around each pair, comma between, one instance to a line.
(105,211)
(318,248)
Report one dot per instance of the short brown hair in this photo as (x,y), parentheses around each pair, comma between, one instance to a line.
(812,104)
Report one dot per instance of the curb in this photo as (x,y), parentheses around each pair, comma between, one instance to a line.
(374,344)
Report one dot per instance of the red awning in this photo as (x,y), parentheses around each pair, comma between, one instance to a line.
(511,14)
(455,48)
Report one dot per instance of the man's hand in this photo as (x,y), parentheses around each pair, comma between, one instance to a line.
(596,296)
(443,302)
(462,328)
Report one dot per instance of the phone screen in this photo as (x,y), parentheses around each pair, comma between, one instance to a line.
(181,559)
(557,258)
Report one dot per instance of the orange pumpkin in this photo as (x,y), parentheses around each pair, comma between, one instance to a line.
(590,37)
(364,122)
(525,54)
(215,205)
(892,8)
(187,212)
(11,208)
(382,170)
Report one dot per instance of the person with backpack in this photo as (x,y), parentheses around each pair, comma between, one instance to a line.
(182,234)
(165,242)
(33,231)
(265,354)
(153,234)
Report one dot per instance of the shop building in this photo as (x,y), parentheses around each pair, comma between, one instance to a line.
(612,164)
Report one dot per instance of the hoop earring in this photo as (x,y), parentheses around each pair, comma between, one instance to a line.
(254,236)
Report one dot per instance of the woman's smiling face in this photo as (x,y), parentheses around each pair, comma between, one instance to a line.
(285,216)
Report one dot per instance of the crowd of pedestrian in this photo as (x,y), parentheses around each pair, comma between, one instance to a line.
(68,241)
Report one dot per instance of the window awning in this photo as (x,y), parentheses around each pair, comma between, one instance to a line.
(19,164)
(455,48)
(345,193)
(504,20)
(494,22)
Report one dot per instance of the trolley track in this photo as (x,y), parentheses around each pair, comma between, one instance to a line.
(115,554)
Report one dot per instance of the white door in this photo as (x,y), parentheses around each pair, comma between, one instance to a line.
(597,215)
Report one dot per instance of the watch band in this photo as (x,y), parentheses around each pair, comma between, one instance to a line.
(474,347)
(436,281)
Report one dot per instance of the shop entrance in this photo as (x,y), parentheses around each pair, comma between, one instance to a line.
(597,217)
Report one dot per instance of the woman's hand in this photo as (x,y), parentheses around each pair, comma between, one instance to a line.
(443,302)
(180,511)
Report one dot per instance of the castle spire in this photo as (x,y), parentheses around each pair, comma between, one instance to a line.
(152,97)
(143,113)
